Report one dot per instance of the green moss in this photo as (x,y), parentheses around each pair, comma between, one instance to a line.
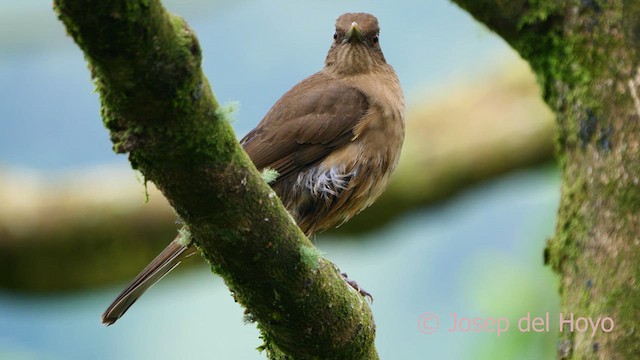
(135,7)
(227,112)
(631,25)
(160,109)
(584,54)
(184,236)
(272,350)
(269,175)
(538,11)
(572,227)
(627,199)
(626,321)
(310,256)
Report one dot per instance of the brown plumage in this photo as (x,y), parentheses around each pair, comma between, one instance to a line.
(334,140)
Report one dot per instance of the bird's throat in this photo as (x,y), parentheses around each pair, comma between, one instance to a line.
(353,59)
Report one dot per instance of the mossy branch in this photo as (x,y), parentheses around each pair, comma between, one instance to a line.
(585,55)
(159,108)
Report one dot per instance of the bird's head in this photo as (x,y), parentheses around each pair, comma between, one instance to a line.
(356,46)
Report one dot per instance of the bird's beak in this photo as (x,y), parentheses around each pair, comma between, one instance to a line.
(354,34)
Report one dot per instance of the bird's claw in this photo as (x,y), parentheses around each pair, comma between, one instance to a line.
(357,288)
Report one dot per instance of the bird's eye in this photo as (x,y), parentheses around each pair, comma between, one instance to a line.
(376,38)
(335,35)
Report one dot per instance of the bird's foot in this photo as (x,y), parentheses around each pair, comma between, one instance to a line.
(357,287)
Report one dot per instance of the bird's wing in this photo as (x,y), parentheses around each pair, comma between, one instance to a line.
(306,124)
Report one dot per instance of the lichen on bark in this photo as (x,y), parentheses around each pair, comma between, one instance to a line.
(585,56)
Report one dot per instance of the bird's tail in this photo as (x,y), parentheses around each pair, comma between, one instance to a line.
(168,259)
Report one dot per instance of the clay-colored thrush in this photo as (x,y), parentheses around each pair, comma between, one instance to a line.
(334,140)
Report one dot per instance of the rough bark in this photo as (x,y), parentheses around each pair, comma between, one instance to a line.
(159,108)
(585,56)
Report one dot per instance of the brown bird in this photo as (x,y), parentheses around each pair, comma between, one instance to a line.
(334,139)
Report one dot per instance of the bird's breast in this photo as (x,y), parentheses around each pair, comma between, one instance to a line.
(352,176)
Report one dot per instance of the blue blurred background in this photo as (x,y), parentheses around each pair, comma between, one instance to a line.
(477,255)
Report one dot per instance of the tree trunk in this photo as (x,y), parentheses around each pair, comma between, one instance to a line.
(159,108)
(585,56)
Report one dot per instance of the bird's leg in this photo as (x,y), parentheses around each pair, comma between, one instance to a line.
(357,287)
(354,285)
